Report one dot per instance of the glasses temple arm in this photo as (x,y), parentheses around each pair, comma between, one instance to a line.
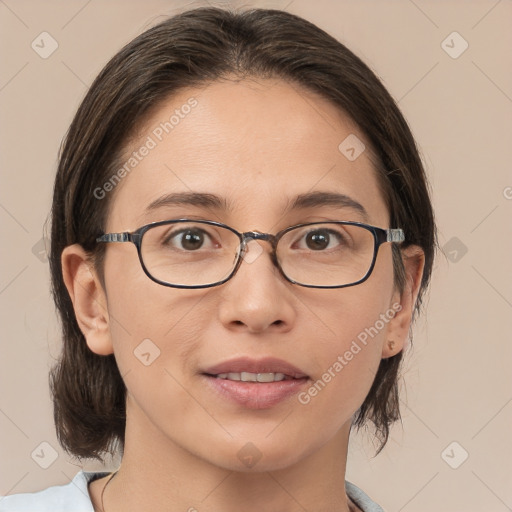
(114,237)
(395,235)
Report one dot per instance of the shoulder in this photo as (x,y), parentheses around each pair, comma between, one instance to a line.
(360,498)
(72,497)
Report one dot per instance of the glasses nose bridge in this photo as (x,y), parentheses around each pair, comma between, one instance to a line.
(258,235)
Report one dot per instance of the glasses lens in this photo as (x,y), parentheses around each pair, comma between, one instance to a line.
(326,254)
(189,253)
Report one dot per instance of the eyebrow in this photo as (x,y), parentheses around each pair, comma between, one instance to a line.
(210,201)
(301,202)
(319,198)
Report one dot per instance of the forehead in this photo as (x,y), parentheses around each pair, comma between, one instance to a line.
(255,144)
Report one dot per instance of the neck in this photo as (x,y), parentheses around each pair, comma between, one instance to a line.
(157,474)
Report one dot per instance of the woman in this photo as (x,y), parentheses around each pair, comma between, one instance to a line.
(241,236)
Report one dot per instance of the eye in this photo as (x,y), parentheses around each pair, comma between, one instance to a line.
(320,239)
(189,239)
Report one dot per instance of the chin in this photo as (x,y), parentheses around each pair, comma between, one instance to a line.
(259,456)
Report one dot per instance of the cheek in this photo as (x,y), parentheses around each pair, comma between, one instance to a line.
(346,362)
(348,347)
(152,325)
(348,314)
(156,336)
(348,356)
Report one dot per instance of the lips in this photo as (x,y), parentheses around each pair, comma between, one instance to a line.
(256,366)
(255,383)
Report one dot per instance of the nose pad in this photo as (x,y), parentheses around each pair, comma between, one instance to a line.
(250,253)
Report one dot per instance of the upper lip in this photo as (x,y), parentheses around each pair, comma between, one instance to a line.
(265,365)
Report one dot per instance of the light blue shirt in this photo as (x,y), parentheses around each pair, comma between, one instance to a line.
(74,497)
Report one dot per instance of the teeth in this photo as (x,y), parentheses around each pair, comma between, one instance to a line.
(252,377)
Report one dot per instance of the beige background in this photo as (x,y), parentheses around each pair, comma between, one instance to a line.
(457,378)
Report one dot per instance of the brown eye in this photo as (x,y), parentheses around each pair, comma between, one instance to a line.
(188,239)
(192,240)
(317,240)
(320,239)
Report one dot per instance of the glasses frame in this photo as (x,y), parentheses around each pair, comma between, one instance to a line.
(380,236)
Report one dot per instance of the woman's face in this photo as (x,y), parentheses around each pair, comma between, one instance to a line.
(257,146)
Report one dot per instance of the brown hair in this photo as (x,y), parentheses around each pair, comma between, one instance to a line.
(191,49)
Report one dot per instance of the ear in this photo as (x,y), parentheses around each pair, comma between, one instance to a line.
(88,297)
(403,303)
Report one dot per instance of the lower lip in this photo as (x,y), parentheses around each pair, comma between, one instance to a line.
(256,395)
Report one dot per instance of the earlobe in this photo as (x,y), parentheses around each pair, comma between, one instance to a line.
(88,297)
(403,303)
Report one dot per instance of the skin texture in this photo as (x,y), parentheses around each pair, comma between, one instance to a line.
(258,144)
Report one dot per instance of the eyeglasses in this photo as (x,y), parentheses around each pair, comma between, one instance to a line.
(185,253)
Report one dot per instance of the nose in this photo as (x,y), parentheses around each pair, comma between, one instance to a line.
(257,298)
